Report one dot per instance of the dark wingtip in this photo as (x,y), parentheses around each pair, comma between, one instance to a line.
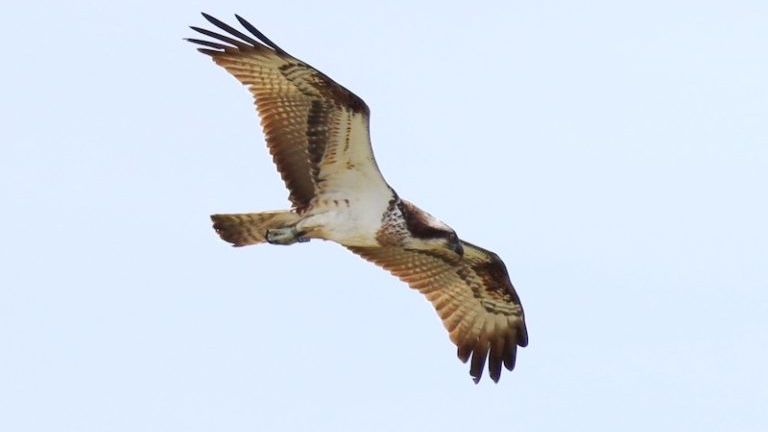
(463,352)
(510,357)
(209,44)
(477,364)
(256,32)
(213,20)
(494,366)
(522,338)
(229,29)
(209,52)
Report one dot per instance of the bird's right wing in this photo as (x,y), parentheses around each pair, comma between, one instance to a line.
(316,130)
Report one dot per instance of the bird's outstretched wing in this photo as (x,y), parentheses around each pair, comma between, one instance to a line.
(316,130)
(474,298)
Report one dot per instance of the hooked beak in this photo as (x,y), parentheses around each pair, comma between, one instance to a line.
(458,248)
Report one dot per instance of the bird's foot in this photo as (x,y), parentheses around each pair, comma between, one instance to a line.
(285,236)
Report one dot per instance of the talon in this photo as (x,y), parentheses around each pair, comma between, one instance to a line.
(285,236)
(281,236)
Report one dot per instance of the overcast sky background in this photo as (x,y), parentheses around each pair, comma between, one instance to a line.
(615,156)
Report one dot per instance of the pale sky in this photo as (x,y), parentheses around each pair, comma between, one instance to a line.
(615,156)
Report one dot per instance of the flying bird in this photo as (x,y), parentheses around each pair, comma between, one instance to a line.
(317,133)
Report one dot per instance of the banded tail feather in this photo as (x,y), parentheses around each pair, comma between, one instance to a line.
(243,229)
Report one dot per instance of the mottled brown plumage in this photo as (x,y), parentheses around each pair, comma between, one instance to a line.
(317,133)
(296,103)
(474,298)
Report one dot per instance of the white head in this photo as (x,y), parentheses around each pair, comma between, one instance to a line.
(428,232)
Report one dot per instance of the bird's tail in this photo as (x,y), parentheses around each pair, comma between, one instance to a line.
(250,228)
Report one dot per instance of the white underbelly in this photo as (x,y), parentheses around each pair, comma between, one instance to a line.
(348,222)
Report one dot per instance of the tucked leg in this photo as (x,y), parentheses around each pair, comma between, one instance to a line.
(285,236)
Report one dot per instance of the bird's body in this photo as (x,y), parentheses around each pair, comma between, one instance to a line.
(347,221)
(317,132)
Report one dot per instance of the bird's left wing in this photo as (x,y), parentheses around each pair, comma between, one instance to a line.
(474,298)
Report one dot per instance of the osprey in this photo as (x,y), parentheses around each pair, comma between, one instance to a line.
(317,133)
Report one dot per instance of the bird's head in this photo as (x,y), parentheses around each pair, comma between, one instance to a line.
(429,233)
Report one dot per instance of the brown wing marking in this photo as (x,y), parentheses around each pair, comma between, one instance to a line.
(474,298)
(300,107)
